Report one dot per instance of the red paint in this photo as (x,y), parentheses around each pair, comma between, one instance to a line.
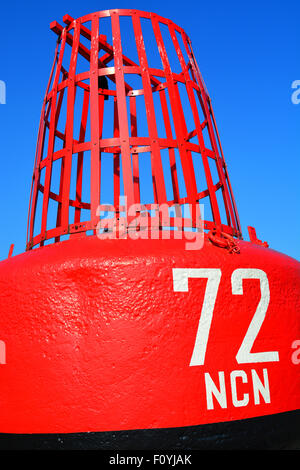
(172,101)
(99,335)
(96,338)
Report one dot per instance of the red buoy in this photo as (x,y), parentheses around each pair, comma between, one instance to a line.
(138,317)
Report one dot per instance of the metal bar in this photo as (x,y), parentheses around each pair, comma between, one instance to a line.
(59,199)
(94,115)
(193,105)
(189,160)
(157,169)
(128,148)
(11,250)
(51,142)
(203,149)
(101,116)
(38,154)
(135,156)
(82,50)
(116,159)
(122,110)
(106,47)
(69,130)
(226,173)
(189,176)
(204,94)
(172,159)
(84,115)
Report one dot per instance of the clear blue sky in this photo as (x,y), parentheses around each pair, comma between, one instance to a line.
(248,53)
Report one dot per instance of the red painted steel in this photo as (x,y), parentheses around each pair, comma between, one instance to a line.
(138,331)
(177,87)
(99,339)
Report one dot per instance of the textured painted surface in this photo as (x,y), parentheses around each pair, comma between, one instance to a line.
(96,339)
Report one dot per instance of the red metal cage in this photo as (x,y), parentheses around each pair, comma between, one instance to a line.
(126,113)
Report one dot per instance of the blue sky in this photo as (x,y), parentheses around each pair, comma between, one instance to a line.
(248,54)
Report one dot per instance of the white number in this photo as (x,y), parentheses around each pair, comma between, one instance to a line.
(180,284)
(213,276)
(244,355)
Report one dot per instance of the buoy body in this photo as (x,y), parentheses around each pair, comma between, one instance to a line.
(104,338)
(117,330)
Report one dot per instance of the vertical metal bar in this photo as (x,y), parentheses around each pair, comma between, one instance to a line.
(51,140)
(38,154)
(193,105)
(58,216)
(101,116)
(94,112)
(135,156)
(210,185)
(84,115)
(69,130)
(59,103)
(172,160)
(122,110)
(219,163)
(187,165)
(226,172)
(157,169)
(116,160)
(181,118)
(11,250)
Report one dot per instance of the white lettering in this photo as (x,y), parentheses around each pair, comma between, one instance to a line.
(218,393)
(211,389)
(260,388)
(119,460)
(171,460)
(233,376)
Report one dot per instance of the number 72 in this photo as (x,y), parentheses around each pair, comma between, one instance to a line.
(213,276)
